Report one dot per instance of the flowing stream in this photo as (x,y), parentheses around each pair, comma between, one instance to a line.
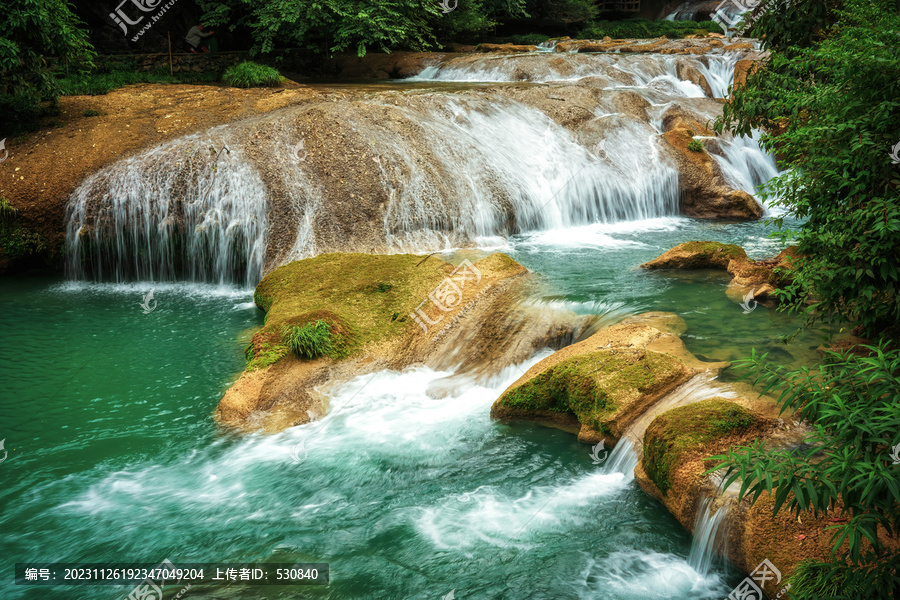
(106,407)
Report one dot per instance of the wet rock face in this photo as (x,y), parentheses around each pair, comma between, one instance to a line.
(605,139)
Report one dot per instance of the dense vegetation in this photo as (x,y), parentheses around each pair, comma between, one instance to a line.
(828,101)
(31,31)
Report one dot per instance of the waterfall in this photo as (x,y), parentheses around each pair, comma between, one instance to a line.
(407,170)
(618,70)
(193,209)
(509,169)
(624,458)
(708,535)
(744,165)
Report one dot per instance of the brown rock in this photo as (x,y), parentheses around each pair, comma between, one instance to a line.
(506,48)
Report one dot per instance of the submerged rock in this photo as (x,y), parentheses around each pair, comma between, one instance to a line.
(761,277)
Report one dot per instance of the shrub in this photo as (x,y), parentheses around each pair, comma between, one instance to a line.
(696,146)
(250,74)
(310,340)
(91,113)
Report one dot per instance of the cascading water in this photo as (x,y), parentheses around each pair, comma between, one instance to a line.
(650,70)
(709,535)
(193,209)
(408,172)
(512,169)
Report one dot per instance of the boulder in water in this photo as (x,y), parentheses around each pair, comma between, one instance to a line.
(762,277)
(598,387)
(338,316)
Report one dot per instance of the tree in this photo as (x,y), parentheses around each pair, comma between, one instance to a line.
(30,32)
(355,25)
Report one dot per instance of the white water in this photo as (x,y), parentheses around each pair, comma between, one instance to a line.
(709,535)
(184,210)
(650,70)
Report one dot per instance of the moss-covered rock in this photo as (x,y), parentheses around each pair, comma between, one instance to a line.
(594,385)
(685,429)
(698,255)
(761,277)
(338,315)
(600,385)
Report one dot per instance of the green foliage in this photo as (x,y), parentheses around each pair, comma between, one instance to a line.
(31,30)
(336,26)
(91,113)
(696,146)
(104,81)
(815,579)
(832,112)
(853,403)
(528,39)
(645,28)
(16,240)
(785,24)
(311,340)
(250,74)
(8,212)
(561,12)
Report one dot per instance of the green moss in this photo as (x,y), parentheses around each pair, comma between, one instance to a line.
(677,432)
(730,251)
(364,299)
(593,385)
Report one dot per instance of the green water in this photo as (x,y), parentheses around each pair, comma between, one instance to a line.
(113,454)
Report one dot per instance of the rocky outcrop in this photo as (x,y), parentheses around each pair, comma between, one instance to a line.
(506,48)
(598,387)
(705,193)
(338,316)
(676,449)
(762,277)
(693,44)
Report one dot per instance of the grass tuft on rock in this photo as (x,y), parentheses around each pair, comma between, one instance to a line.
(250,74)
(311,340)
(677,432)
(696,146)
